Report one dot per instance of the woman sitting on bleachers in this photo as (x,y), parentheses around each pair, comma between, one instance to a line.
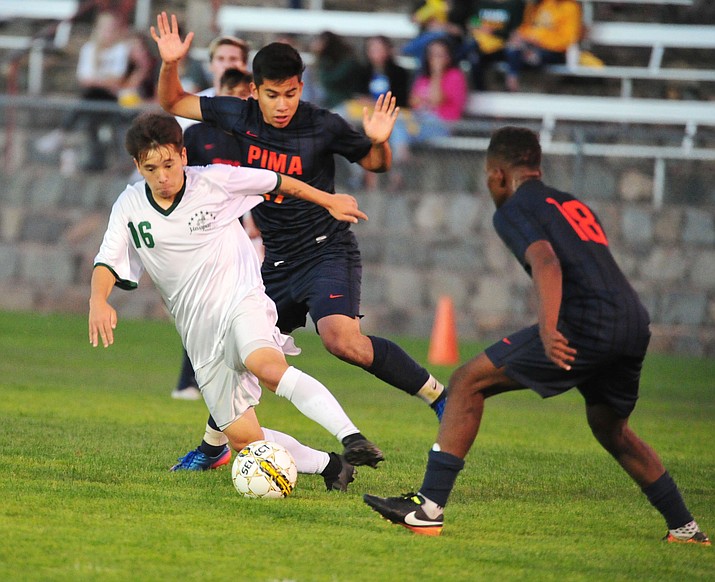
(549,28)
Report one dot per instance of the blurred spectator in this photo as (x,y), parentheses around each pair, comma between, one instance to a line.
(225,52)
(438,19)
(381,73)
(338,70)
(439,93)
(549,28)
(490,27)
(437,98)
(140,80)
(102,69)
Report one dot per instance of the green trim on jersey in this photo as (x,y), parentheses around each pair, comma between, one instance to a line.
(121,283)
(278,184)
(174,204)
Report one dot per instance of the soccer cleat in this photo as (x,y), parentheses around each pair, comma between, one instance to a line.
(340,481)
(196,460)
(406,511)
(439,404)
(698,537)
(360,451)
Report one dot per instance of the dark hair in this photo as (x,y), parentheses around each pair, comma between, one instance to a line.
(448,44)
(334,48)
(150,131)
(517,146)
(277,61)
(231,78)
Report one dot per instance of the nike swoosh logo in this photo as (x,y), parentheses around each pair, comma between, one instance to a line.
(334,296)
(412,519)
(506,341)
(209,146)
(251,134)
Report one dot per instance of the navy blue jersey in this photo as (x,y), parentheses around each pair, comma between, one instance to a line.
(206,144)
(292,229)
(598,303)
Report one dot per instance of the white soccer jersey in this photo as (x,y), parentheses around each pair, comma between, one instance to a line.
(196,252)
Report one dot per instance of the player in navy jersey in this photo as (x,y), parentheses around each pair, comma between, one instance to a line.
(312,263)
(592,333)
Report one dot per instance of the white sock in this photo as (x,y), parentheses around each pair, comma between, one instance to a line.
(431,509)
(214,437)
(685,532)
(307,460)
(431,390)
(316,402)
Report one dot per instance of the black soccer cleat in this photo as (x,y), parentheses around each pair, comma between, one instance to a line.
(359,451)
(339,481)
(406,511)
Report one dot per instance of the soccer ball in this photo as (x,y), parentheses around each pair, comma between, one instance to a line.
(264,469)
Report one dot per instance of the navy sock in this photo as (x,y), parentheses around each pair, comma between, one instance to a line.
(211,450)
(393,365)
(442,471)
(665,496)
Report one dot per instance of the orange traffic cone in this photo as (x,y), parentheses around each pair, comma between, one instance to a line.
(443,349)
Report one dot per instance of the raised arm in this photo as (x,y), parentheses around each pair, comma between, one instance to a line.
(102,316)
(378,128)
(341,206)
(172,49)
(546,273)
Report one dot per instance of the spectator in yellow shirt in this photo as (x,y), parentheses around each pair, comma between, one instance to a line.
(548,29)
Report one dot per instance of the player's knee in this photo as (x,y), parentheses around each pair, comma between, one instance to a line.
(238,442)
(268,370)
(340,346)
(468,379)
(608,431)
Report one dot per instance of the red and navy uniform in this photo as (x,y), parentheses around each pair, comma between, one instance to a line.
(206,144)
(312,261)
(292,229)
(601,314)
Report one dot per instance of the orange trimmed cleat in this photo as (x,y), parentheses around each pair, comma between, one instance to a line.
(406,511)
(697,538)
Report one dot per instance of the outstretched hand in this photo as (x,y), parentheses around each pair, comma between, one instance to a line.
(345,208)
(171,48)
(378,126)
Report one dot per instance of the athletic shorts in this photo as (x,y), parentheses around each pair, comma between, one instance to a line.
(602,377)
(226,386)
(327,284)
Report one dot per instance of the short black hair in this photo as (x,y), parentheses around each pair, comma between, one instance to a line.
(234,77)
(152,130)
(517,146)
(277,61)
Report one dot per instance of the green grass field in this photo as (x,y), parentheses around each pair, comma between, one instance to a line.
(86,437)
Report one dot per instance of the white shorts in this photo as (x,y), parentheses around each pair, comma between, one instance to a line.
(226,386)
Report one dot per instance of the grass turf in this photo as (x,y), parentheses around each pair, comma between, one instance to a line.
(87,435)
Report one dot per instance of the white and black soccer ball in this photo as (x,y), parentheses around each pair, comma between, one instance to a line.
(264,469)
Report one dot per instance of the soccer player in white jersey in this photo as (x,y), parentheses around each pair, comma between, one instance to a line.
(180,225)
